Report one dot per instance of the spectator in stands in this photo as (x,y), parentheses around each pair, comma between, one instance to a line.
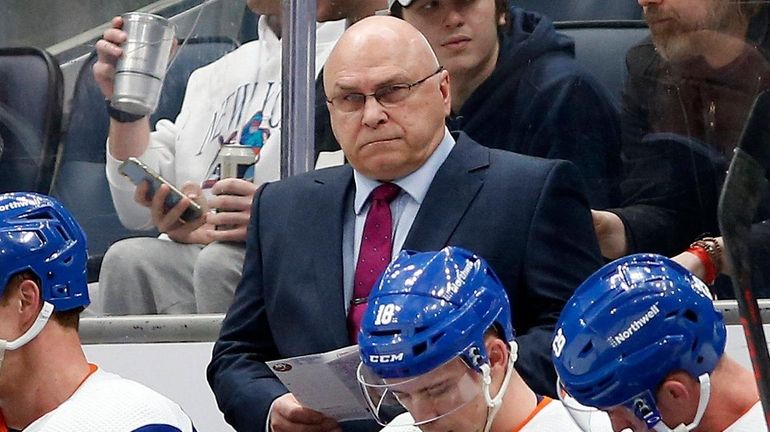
(516,86)
(318,241)
(642,340)
(46,383)
(236,99)
(445,321)
(689,93)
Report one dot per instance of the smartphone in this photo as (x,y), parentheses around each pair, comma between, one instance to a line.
(138,172)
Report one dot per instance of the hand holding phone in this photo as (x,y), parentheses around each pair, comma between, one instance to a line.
(138,172)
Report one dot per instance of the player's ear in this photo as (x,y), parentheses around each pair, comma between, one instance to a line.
(678,391)
(497,351)
(29,301)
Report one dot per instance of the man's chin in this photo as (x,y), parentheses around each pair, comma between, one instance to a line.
(674,48)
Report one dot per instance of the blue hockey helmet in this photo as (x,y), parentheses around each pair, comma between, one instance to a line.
(424,328)
(629,325)
(428,308)
(39,235)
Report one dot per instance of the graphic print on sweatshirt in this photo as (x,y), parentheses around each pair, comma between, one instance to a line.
(248,116)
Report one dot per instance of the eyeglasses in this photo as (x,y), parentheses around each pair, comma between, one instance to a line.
(387,96)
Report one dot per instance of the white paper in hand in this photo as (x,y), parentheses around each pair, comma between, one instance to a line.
(325,382)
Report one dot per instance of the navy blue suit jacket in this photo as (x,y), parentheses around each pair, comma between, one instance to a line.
(527,216)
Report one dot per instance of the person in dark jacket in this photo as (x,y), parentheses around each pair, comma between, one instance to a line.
(516,86)
(690,91)
(316,240)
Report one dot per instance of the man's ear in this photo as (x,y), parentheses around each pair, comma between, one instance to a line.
(29,301)
(497,350)
(672,391)
(446,92)
(677,398)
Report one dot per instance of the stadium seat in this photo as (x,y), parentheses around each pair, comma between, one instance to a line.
(584,10)
(30,118)
(248,28)
(601,48)
(81,183)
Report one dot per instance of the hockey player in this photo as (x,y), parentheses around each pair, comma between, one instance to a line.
(642,340)
(46,383)
(437,341)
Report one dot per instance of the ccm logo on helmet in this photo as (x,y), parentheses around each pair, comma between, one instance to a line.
(386,358)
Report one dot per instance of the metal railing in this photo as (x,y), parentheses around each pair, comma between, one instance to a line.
(205,328)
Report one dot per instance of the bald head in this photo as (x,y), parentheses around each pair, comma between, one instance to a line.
(377,41)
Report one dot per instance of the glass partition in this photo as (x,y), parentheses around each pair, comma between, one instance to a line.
(683,80)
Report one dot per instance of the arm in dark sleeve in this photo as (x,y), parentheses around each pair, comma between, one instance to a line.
(576,121)
(670,182)
(561,253)
(670,193)
(243,385)
(648,201)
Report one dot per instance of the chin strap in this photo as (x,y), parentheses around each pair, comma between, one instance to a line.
(37,327)
(495,403)
(705,395)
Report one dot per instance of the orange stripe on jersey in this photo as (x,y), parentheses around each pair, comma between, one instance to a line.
(543,403)
(91,369)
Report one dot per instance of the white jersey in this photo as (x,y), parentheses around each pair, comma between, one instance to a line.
(752,421)
(549,415)
(106,402)
(236,99)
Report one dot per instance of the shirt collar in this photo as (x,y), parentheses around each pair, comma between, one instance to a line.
(415,184)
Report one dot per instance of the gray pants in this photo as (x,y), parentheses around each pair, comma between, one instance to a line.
(149,275)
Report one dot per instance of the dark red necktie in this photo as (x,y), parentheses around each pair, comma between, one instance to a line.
(374,254)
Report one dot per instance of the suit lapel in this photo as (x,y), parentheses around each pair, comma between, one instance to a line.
(450,194)
(328,225)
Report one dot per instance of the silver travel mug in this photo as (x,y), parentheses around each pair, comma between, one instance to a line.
(141,69)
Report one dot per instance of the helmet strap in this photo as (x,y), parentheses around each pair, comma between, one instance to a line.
(705,395)
(494,404)
(34,330)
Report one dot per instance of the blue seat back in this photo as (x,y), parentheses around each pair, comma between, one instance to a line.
(248,28)
(30,118)
(601,48)
(81,183)
(584,10)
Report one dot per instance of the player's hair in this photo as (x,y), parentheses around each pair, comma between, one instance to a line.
(68,319)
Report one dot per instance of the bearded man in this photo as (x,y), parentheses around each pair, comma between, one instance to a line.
(689,94)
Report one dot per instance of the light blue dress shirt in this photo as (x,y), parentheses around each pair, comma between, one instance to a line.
(404,209)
